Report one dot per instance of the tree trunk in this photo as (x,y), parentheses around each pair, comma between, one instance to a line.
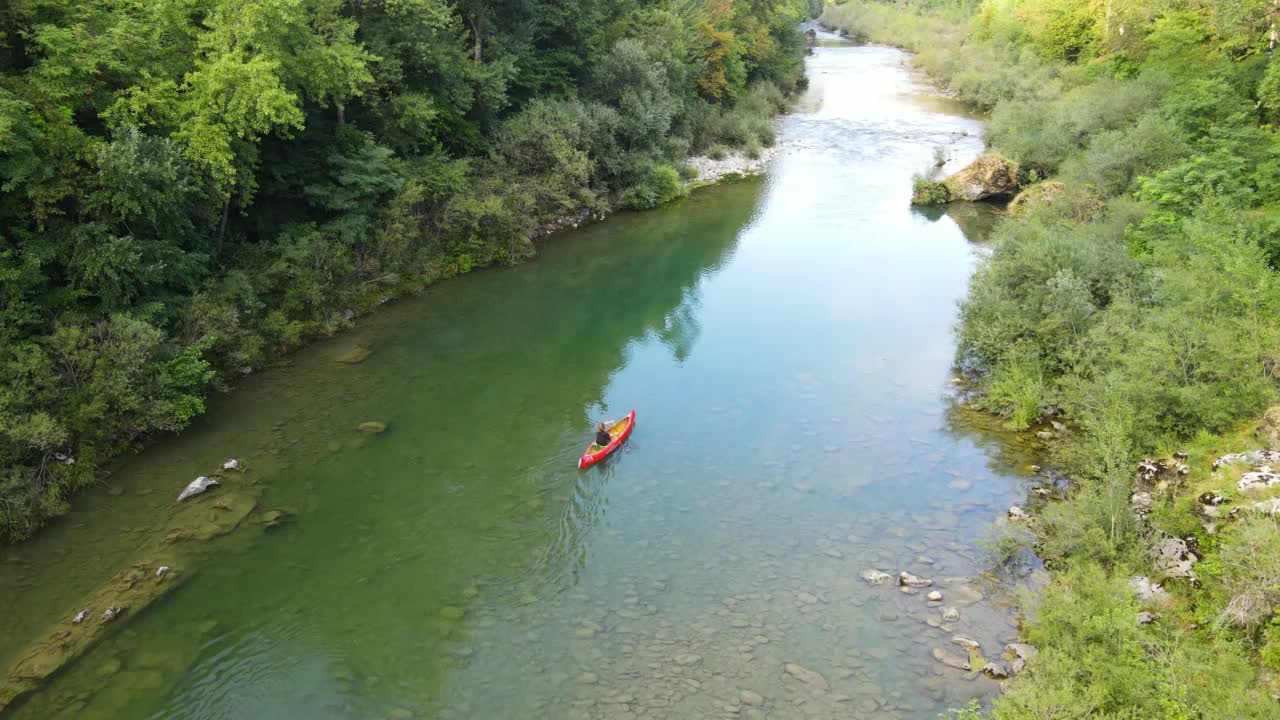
(475,34)
(222,227)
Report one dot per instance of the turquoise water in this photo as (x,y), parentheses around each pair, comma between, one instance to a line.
(786,343)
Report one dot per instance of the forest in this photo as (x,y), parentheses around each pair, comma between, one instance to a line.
(193,188)
(1129,308)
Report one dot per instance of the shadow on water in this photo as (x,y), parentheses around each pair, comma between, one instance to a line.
(976,220)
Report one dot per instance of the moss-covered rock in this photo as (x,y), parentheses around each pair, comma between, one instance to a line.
(990,176)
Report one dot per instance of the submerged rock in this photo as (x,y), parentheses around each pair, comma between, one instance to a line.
(751,698)
(805,675)
(990,175)
(876,577)
(372,426)
(950,615)
(951,659)
(357,354)
(196,487)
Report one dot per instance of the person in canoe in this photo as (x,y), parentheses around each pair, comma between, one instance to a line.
(603,437)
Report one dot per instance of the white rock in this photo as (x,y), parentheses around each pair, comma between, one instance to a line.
(934,596)
(906,578)
(231,464)
(197,486)
(1261,478)
(1146,590)
(1017,514)
(1253,456)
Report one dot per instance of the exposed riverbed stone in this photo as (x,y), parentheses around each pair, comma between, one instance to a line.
(1021,654)
(907,579)
(934,596)
(997,669)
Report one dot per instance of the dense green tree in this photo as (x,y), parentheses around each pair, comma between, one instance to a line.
(189,187)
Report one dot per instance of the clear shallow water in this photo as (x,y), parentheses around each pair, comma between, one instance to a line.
(786,344)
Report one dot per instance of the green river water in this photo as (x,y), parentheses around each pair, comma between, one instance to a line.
(787,345)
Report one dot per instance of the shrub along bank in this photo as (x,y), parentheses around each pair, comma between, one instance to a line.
(191,188)
(1130,308)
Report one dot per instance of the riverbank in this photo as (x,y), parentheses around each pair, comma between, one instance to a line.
(1089,325)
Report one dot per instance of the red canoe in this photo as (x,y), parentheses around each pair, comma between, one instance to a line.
(620,431)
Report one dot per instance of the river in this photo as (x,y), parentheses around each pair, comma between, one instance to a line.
(787,345)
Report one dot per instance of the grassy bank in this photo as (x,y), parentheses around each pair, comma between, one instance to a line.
(192,189)
(1131,308)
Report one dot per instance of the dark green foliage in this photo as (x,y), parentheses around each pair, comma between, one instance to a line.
(190,191)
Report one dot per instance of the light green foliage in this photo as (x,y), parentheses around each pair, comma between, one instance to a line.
(1140,301)
(928,192)
(190,187)
(662,185)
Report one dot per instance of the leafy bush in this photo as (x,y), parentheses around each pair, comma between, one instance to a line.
(928,192)
(662,185)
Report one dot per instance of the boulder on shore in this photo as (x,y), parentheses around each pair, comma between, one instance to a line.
(991,175)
